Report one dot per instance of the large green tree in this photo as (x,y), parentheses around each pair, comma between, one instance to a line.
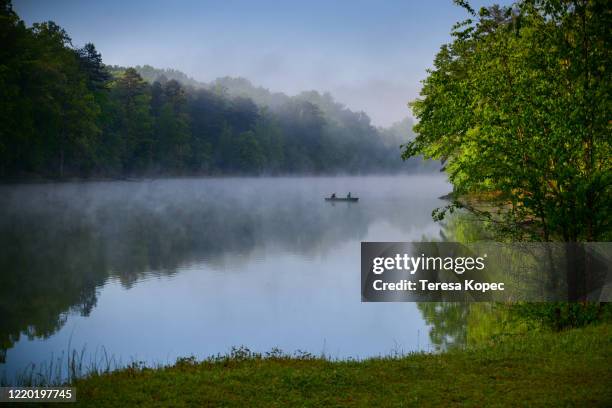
(172,149)
(518,107)
(135,121)
(47,110)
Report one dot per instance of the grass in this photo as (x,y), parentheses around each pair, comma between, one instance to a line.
(566,369)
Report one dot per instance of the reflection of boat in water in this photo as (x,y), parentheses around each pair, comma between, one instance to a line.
(349,199)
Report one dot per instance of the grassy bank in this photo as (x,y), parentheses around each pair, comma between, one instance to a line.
(571,368)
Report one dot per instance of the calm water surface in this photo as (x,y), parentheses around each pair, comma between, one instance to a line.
(153,270)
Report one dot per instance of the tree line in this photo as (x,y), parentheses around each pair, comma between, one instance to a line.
(64,113)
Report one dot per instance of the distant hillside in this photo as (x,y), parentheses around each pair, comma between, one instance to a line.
(152,74)
(83,118)
(396,134)
(242,87)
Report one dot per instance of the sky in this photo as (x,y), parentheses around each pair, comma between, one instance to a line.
(370,55)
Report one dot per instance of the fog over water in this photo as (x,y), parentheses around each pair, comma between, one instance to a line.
(157,269)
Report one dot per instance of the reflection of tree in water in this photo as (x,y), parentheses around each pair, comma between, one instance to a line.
(43,278)
(61,244)
(464,227)
(449,323)
(449,320)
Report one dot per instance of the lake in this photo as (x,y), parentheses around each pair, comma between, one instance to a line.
(157,269)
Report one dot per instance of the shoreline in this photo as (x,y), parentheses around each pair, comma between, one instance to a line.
(545,368)
(68,180)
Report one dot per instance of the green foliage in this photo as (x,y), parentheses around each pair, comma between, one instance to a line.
(251,155)
(517,106)
(63,113)
(561,315)
(48,119)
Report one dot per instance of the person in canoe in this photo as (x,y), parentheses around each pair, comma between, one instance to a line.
(348,195)
(333,195)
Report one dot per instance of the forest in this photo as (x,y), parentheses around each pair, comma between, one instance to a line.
(64,113)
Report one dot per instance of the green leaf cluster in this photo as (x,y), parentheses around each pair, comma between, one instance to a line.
(518,108)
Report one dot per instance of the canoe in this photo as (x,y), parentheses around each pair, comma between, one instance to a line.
(351,199)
